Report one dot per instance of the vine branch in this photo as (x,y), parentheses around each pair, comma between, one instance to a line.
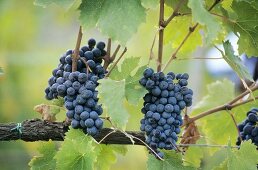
(161,34)
(76,50)
(40,130)
(228,106)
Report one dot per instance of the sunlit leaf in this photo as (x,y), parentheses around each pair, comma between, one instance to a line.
(107,156)
(112,96)
(244,158)
(76,152)
(133,90)
(172,160)
(46,159)
(235,62)
(202,16)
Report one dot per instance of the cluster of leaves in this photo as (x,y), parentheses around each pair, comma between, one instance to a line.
(226,17)
(78,151)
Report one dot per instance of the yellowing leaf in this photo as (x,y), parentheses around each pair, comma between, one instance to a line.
(48,112)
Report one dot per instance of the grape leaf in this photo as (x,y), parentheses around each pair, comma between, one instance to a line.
(112,95)
(76,152)
(150,3)
(227,5)
(215,132)
(246,25)
(128,65)
(172,160)
(63,3)
(176,37)
(235,62)
(113,19)
(183,8)
(133,90)
(107,156)
(244,158)
(193,156)
(216,160)
(202,16)
(46,160)
(58,102)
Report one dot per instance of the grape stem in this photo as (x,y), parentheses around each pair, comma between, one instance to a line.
(113,66)
(228,106)
(191,30)
(108,59)
(235,123)
(75,55)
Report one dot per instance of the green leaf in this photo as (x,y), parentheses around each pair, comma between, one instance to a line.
(116,20)
(244,158)
(227,5)
(202,16)
(176,37)
(46,160)
(58,102)
(150,3)
(216,160)
(128,65)
(173,3)
(235,62)
(133,91)
(173,161)
(76,152)
(63,3)
(246,24)
(107,156)
(218,93)
(112,95)
(193,156)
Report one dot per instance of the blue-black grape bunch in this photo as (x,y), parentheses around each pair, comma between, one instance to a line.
(248,128)
(79,88)
(167,96)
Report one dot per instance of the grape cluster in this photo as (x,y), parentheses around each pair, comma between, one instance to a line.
(248,128)
(167,96)
(79,88)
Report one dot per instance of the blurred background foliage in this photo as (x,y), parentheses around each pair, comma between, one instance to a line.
(31,41)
